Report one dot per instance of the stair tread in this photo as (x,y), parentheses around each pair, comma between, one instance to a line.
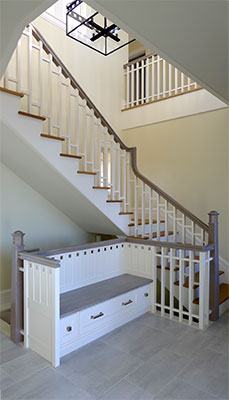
(18,94)
(126,213)
(223,294)
(162,233)
(52,137)
(196,279)
(154,221)
(31,115)
(70,156)
(87,296)
(86,172)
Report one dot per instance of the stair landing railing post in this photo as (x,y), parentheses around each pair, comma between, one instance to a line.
(16,316)
(214,265)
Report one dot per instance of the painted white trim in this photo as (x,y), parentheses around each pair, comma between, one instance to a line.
(5,299)
(54,20)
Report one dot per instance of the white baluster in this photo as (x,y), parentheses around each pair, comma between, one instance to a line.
(77,132)
(153,77)
(158,216)
(163,253)
(118,171)
(132,75)
(158,77)
(143,209)
(19,65)
(164,78)
(182,82)
(176,80)
(171,281)
(137,84)
(150,214)
(85,135)
(135,206)
(181,283)
(50,96)
(189,83)
(174,224)
(154,277)
(125,166)
(113,173)
(202,296)
(190,285)
(147,89)
(166,220)
(170,79)
(142,95)
(69,117)
(30,88)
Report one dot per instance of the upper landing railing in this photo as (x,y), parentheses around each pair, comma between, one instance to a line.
(151,78)
(52,92)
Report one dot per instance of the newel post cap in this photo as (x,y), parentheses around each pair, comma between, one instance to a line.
(213,217)
(18,238)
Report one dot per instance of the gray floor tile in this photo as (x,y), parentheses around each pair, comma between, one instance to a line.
(177,389)
(158,371)
(10,352)
(211,363)
(46,384)
(125,390)
(106,371)
(24,366)
(5,379)
(164,324)
(202,380)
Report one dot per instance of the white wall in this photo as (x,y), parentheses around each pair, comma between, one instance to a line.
(188,159)
(14,16)
(99,76)
(22,208)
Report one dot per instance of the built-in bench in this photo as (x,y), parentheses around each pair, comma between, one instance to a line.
(91,311)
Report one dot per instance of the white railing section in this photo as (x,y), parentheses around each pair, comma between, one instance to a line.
(152,78)
(50,93)
(42,309)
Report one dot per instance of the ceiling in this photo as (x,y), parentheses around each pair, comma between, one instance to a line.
(190,34)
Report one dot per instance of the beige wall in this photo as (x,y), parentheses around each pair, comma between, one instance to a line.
(188,158)
(99,76)
(24,209)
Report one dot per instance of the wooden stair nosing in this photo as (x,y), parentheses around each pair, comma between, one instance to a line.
(126,213)
(31,115)
(18,94)
(101,187)
(70,156)
(114,201)
(154,221)
(223,294)
(86,172)
(52,137)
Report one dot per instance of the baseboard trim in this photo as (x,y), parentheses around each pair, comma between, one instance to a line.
(5,299)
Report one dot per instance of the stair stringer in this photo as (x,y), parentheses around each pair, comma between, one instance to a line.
(31,156)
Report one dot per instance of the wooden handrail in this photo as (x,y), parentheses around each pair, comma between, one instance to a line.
(113,242)
(133,151)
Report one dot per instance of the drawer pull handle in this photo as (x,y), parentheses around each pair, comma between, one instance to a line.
(128,302)
(146,294)
(97,316)
(69,329)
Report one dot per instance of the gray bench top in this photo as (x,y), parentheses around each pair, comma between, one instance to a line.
(87,296)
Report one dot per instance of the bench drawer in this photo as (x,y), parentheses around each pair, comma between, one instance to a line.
(69,329)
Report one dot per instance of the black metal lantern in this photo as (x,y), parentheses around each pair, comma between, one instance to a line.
(89,27)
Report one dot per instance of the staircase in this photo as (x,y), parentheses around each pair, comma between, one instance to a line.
(55,132)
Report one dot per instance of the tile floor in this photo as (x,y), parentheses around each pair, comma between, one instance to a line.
(148,358)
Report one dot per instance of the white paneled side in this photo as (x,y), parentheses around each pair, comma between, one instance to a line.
(139,260)
(84,267)
(42,310)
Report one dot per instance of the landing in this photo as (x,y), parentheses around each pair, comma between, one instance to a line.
(96,293)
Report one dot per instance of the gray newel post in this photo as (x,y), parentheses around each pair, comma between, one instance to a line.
(16,317)
(214,265)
